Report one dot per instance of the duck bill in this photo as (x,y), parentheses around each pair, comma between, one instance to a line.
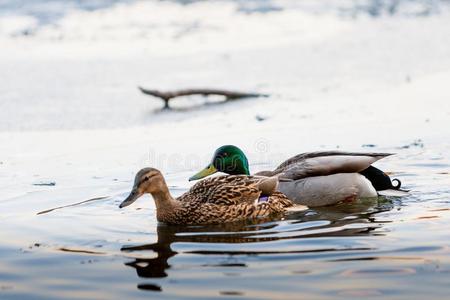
(209,170)
(134,195)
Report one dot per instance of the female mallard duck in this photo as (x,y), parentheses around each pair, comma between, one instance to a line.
(213,200)
(314,178)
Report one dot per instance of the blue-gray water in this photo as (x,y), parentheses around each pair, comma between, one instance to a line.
(48,11)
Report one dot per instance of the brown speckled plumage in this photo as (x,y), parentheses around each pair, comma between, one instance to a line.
(213,200)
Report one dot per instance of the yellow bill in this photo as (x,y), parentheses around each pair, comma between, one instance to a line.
(209,170)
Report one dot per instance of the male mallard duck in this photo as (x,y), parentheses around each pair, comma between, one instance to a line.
(213,200)
(314,178)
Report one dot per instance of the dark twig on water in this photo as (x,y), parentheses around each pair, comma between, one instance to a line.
(168,95)
(70,205)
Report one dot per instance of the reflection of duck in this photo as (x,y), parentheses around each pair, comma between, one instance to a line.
(213,200)
(347,219)
(256,231)
(154,267)
(316,178)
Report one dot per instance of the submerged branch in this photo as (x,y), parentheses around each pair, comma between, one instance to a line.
(168,95)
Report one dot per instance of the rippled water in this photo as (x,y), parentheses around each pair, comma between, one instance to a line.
(393,247)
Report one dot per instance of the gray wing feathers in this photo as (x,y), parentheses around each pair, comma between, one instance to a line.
(329,164)
(300,157)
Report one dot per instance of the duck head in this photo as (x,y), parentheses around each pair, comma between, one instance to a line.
(147,180)
(227,159)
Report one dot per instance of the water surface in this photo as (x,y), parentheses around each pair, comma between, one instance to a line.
(389,247)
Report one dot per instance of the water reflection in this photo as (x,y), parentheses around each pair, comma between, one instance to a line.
(333,222)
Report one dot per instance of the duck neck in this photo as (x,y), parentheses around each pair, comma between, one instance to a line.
(163,199)
(166,205)
(245,169)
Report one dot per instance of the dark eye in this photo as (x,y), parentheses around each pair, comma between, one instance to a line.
(145,179)
(225,154)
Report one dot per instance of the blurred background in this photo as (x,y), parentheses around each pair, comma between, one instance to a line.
(77,64)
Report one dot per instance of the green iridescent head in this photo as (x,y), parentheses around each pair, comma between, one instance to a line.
(227,159)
